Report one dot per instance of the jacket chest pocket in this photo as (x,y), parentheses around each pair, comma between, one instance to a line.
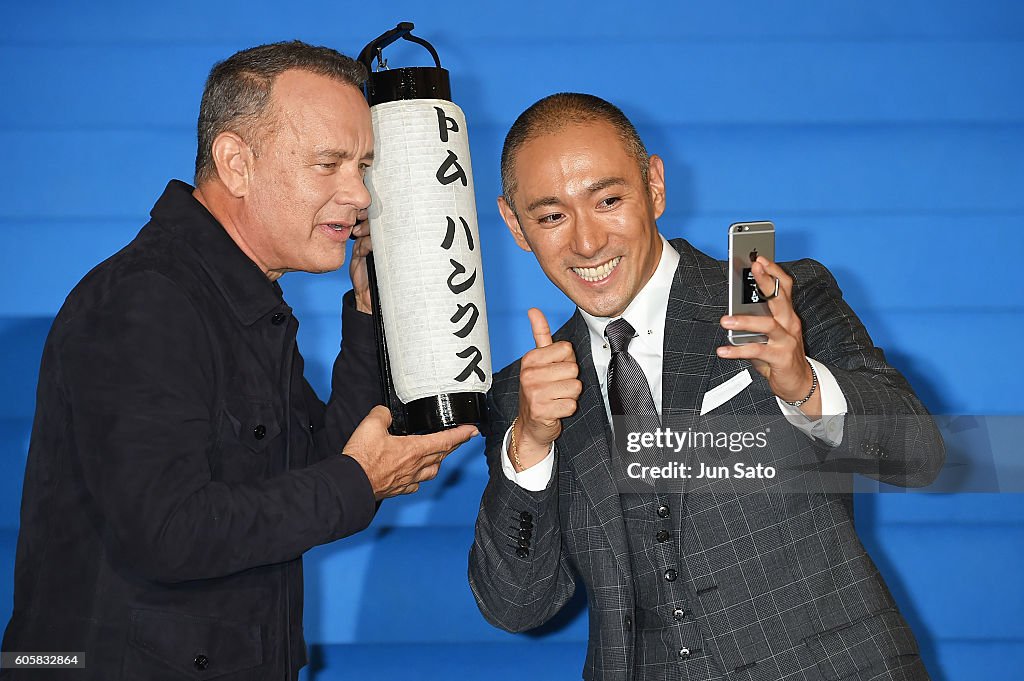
(251,440)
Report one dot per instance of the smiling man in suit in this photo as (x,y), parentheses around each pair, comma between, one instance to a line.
(710,581)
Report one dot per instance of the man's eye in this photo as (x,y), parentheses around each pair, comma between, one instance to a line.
(328,166)
(550,219)
(610,201)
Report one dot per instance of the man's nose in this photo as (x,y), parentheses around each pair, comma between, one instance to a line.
(352,191)
(589,237)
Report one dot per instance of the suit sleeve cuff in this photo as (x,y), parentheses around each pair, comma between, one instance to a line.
(829,428)
(357,503)
(533,479)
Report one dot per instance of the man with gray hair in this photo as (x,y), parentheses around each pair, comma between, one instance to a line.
(180,464)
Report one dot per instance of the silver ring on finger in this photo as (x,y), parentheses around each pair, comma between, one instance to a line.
(775,293)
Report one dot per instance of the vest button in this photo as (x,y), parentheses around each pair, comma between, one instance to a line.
(663,511)
(201,662)
(670,575)
(663,535)
(678,614)
(684,653)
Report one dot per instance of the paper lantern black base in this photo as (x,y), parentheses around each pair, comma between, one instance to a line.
(437,413)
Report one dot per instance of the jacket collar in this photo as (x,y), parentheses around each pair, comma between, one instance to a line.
(244,286)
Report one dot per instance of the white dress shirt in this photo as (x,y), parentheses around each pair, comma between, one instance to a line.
(646,314)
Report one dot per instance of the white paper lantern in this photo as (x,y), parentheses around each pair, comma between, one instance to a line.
(427,250)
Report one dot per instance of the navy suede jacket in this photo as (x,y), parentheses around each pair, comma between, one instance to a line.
(180,464)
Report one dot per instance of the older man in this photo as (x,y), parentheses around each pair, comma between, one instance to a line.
(180,464)
(721,579)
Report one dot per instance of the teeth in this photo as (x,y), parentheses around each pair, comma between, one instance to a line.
(337,227)
(597,273)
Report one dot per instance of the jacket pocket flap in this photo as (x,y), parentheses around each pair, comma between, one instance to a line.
(254,421)
(863,644)
(198,647)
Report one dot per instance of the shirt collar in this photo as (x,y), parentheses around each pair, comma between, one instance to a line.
(248,291)
(647,309)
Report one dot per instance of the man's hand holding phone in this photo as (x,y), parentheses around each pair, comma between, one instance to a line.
(549,388)
(781,360)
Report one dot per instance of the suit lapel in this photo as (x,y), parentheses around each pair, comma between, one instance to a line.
(692,332)
(697,302)
(584,443)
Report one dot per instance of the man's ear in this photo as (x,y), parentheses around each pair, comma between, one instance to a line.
(233,158)
(512,222)
(656,184)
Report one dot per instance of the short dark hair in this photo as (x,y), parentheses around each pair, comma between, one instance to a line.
(553,113)
(238,90)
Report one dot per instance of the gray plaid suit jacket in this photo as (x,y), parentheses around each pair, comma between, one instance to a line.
(780,582)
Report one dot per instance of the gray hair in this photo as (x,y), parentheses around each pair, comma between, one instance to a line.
(238,90)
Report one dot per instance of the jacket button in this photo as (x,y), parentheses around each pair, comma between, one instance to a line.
(278,318)
(670,575)
(526,525)
(259,432)
(524,543)
(678,614)
(525,516)
(663,535)
(684,653)
(201,662)
(525,534)
(522,552)
(663,511)
(628,622)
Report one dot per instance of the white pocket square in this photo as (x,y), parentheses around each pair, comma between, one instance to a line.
(724,392)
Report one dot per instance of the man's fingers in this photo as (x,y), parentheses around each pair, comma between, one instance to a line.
(537,375)
(446,440)
(541,328)
(751,351)
(381,415)
(362,247)
(550,354)
(752,323)
(765,273)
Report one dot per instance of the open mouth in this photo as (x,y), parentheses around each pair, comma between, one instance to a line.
(595,274)
(342,230)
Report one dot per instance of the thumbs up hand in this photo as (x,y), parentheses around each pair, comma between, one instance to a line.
(549,388)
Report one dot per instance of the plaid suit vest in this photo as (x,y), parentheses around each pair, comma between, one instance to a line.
(669,641)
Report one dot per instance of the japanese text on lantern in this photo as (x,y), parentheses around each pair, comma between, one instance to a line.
(466,312)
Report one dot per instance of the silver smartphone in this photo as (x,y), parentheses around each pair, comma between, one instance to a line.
(747,240)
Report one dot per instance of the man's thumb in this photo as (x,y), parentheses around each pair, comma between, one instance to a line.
(541,328)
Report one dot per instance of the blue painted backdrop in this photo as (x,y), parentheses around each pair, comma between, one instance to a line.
(884,138)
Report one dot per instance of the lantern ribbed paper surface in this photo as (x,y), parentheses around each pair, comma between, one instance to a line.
(427,249)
